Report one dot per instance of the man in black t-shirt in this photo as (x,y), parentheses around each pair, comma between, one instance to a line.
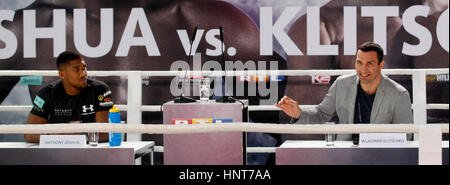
(71,99)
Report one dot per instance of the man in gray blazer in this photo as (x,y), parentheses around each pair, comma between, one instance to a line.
(365,97)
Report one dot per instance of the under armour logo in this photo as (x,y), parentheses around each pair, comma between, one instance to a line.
(91,108)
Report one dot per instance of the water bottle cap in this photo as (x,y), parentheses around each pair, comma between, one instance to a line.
(114,109)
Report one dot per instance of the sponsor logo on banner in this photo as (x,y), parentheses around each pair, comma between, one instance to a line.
(201,120)
(181,121)
(190,79)
(261,78)
(195,77)
(320,79)
(276,78)
(438,78)
(245,78)
(266,78)
(224,120)
(442,78)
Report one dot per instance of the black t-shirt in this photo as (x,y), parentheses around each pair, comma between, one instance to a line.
(363,109)
(54,104)
(363,106)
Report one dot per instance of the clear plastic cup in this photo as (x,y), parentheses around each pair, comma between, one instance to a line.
(93,138)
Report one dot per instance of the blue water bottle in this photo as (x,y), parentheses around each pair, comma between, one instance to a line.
(114,117)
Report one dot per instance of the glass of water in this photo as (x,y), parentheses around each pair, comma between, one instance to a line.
(204,90)
(329,137)
(93,138)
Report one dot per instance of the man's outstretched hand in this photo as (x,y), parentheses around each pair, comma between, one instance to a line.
(290,107)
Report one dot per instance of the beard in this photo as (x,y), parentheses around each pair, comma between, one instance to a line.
(81,85)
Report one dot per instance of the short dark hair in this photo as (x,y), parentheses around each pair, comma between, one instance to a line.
(65,57)
(372,46)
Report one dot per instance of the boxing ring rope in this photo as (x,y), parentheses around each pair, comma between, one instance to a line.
(334,72)
(157,108)
(208,128)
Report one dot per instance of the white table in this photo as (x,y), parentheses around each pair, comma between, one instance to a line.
(345,153)
(22,153)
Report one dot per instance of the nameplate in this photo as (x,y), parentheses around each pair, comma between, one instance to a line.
(62,141)
(382,139)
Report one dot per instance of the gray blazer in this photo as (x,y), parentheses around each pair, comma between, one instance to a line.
(392,104)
